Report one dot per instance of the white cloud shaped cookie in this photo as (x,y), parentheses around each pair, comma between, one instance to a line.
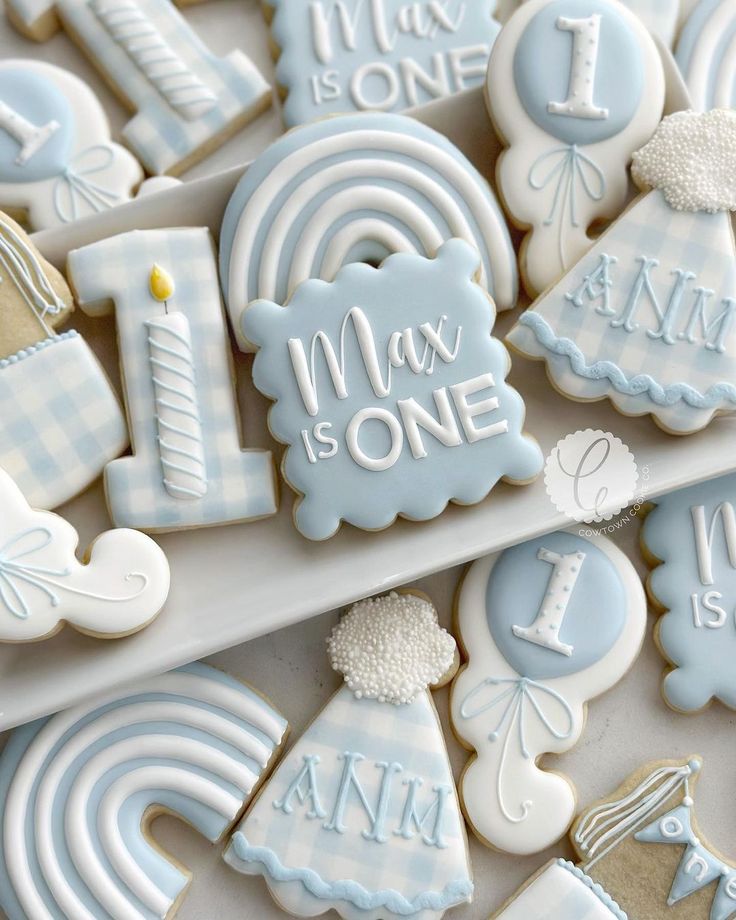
(122,585)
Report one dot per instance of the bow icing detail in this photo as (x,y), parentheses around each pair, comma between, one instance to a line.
(74,189)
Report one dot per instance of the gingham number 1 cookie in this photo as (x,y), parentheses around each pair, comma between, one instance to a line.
(574,87)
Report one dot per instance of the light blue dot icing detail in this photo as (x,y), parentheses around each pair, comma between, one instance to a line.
(387,55)
(40,102)
(690,582)
(593,619)
(542,69)
(404,294)
(597,889)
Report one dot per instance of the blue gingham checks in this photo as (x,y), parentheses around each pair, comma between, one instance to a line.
(240,484)
(60,421)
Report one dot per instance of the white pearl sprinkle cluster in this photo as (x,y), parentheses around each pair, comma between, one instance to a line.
(391,648)
(692,159)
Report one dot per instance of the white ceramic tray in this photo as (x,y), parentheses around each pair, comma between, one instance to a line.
(234,583)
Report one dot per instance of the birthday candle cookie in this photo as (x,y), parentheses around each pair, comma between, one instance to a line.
(121,585)
(646,318)
(79,791)
(187,101)
(57,161)
(706,55)
(356,188)
(390,392)
(339,57)
(547,626)
(361,816)
(689,539)
(641,854)
(61,420)
(574,87)
(188,468)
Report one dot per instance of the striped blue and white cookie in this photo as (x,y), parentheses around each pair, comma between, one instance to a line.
(706,55)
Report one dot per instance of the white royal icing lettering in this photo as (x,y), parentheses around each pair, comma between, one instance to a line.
(584,57)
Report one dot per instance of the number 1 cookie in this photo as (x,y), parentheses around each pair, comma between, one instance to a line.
(574,87)
(547,626)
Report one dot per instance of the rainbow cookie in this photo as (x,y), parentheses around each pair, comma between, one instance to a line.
(361,816)
(689,539)
(79,792)
(385,56)
(390,392)
(646,318)
(547,625)
(570,128)
(641,855)
(57,161)
(119,588)
(706,55)
(61,420)
(356,188)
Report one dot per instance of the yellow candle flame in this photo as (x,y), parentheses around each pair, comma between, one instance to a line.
(160,283)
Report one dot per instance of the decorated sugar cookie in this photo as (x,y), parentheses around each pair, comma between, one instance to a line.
(646,318)
(547,626)
(188,468)
(355,189)
(361,816)
(387,56)
(61,421)
(121,585)
(186,101)
(57,162)
(690,540)
(642,856)
(574,87)
(79,791)
(659,16)
(390,392)
(706,55)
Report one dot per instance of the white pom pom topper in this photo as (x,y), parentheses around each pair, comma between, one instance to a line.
(391,648)
(692,159)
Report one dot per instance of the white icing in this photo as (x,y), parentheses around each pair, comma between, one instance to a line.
(42,584)
(20,264)
(352,437)
(692,159)
(584,56)
(391,648)
(30,137)
(704,536)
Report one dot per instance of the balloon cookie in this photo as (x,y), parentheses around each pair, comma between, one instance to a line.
(61,420)
(339,57)
(119,588)
(390,392)
(188,468)
(642,855)
(690,540)
(706,55)
(547,626)
(57,162)
(646,318)
(574,87)
(361,816)
(356,189)
(79,791)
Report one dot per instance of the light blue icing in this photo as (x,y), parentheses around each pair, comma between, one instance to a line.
(702,656)
(542,68)
(592,622)
(493,241)
(40,102)
(597,889)
(349,890)
(31,350)
(167,877)
(688,41)
(406,292)
(449,49)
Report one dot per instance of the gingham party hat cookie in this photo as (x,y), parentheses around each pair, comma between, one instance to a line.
(362,814)
(646,318)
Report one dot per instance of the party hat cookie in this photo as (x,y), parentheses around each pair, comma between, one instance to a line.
(647,318)
(362,814)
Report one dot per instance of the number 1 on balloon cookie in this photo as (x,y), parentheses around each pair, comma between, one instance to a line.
(188,468)
(574,87)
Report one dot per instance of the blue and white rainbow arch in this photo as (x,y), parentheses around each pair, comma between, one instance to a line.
(78,790)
